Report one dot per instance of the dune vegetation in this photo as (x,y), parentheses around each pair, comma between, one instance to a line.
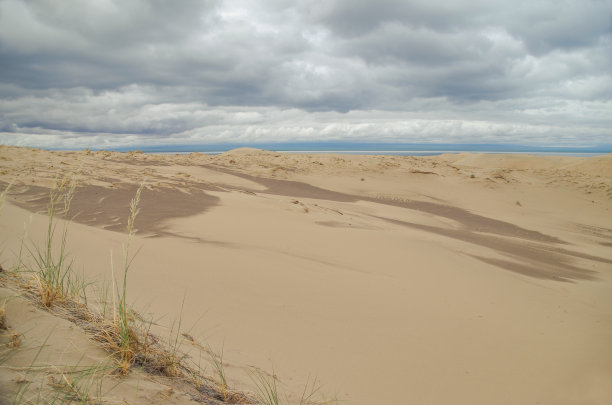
(44,278)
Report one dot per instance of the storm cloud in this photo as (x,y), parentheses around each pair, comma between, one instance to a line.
(113,73)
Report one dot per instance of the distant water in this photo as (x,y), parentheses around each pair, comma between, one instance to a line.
(433,152)
(395,152)
(387,149)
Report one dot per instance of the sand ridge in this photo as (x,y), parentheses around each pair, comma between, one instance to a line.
(386,276)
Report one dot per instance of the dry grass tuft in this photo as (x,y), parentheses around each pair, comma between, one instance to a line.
(15,340)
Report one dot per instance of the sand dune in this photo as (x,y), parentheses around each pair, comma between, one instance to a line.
(463,279)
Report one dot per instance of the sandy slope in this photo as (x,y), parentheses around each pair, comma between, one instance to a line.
(463,279)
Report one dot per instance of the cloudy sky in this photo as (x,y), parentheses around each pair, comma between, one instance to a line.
(121,73)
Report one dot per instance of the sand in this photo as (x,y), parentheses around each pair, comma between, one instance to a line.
(454,279)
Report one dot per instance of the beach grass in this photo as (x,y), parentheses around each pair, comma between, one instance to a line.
(51,269)
(267,387)
(127,337)
(216,359)
(47,278)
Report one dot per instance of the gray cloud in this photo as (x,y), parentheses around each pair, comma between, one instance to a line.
(127,72)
